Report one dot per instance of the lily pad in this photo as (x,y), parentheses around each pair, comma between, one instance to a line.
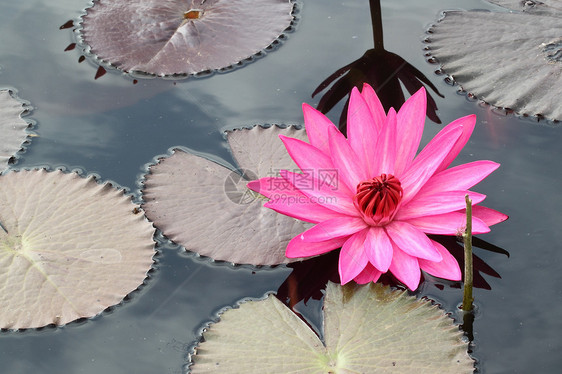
(12,127)
(208,209)
(168,37)
(509,60)
(367,329)
(69,248)
(548,7)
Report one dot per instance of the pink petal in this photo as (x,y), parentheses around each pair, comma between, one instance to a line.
(285,199)
(375,106)
(460,177)
(312,179)
(489,216)
(316,126)
(430,205)
(306,156)
(448,224)
(410,123)
(333,228)
(369,274)
(467,124)
(405,268)
(447,268)
(352,257)
(322,192)
(350,171)
(412,241)
(385,156)
(425,164)
(300,207)
(270,186)
(378,248)
(298,248)
(361,129)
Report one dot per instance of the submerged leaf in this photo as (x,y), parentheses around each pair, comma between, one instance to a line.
(166,37)
(509,60)
(12,128)
(367,329)
(208,209)
(69,248)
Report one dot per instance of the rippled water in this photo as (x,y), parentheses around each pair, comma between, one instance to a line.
(114,128)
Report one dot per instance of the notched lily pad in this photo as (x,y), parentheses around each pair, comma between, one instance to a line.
(367,329)
(510,60)
(208,209)
(69,248)
(168,37)
(13,132)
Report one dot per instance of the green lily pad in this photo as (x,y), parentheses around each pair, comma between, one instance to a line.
(69,247)
(12,127)
(367,329)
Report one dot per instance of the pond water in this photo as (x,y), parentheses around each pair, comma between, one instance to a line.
(114,128)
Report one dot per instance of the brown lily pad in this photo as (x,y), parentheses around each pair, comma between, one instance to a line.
(510,60)
(167,37)
(207,208)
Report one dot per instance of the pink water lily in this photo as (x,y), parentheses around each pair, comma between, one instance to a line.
(370,195)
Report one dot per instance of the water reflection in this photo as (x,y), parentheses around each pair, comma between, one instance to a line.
(383,70)
(309,278)
(480,266)
(34,62)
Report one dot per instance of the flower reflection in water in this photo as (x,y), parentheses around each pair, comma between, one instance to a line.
(383,70)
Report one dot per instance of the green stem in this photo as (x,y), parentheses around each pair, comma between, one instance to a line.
(468,270)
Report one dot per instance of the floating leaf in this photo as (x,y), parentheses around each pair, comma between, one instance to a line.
(166,37)
(509,60)
(367,329)
(69,248)
(12,128)
(208,209)
(552,7)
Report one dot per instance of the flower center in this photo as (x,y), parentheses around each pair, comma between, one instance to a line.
(378,199)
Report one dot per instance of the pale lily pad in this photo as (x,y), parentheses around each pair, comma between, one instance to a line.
(367,329)
(548,7)
(168,37)
(208,209)
(12,128)
(69,248)
(510,60)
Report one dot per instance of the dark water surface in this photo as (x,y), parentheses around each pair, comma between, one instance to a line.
(114,128)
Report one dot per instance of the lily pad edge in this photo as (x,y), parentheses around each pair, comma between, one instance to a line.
(26,111)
